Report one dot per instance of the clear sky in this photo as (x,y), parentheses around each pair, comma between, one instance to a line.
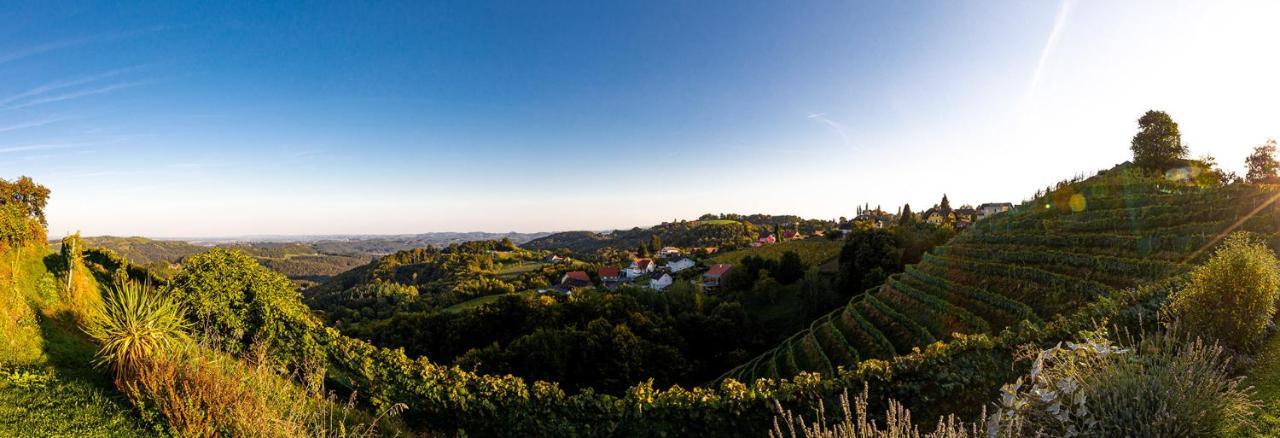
(257,118)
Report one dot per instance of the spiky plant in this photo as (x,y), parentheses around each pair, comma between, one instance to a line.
(136,325)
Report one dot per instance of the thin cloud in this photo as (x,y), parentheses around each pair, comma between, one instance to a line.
(839,130)
(37,147)
(26,125)
(25,52)
(1059,22)
(76,94)
(66,83)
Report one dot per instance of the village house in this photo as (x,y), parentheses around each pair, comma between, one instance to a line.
(609,274)
(766,238)
(791,235)
(711,278)
(553,259)
(680,265)
(640,267)
(575,279)
(669,251)
(988,209)
(660,283)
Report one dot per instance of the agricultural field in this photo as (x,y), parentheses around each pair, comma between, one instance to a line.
(813,252)
(1043,259)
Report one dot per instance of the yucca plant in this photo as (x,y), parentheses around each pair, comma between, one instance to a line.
(136,326)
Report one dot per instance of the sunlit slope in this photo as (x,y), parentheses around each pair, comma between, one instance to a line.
(1047,257)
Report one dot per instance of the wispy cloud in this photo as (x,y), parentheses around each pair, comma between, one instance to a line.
(839,130)
(1059,22)
(37,49)
(26,125)
(36,147)
(76,94)
(65,83)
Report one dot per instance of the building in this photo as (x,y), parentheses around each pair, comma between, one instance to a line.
(609,274)
(711,278)
(791,235)
(660,283)
(680,265)
(575,279)
(991,208)
(766,238)
(640,267)
(555,259)
(669,251)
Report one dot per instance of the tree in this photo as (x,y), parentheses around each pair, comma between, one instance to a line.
(867,258)
(906,215)
(790,268)
(945,206)
(1261,164)
(26,193)
(655,242)
(72,253)
(1158,143)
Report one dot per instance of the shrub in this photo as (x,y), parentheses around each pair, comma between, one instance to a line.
(855,423)
(1232,297)
(1158,387)
(136,327)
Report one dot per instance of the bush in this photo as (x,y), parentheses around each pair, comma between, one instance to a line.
(1232,297)
(1158,387)
(855,423)
(136,327)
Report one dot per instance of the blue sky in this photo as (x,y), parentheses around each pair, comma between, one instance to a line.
(254,118)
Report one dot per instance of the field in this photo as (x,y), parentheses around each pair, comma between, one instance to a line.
(719,222)
(480,301)
(813,252)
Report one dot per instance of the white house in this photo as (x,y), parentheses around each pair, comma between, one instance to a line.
(660,283)
(640,267)
(988,209)
(680,265)
(669,251)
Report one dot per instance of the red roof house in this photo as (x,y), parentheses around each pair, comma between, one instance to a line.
(575,279)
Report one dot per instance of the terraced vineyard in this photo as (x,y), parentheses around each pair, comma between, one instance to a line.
(1047,257)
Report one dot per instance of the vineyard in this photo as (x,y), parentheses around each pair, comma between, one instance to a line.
(1049,256)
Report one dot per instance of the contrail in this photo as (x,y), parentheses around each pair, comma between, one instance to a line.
(1059,22)
(822,117)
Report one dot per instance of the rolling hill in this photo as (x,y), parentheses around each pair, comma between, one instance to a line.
(1050,256)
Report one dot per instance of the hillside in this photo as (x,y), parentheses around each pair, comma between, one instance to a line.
(1050,256)
(306,260)
(724,232)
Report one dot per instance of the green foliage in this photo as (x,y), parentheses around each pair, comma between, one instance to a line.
(235,303)
(1156,387)
(1158,143)
(1232,297)
(17,229)
(1261,165)
(28,197)
(136,327)
(868,257)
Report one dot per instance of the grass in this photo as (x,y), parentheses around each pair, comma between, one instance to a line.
(48,387)
(513,269)
(814,252)
(1264,376)
(720,222)
(474,303)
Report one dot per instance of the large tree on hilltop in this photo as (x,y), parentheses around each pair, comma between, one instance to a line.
(1158,143)
(906,215)
(1261,164)
(30,196)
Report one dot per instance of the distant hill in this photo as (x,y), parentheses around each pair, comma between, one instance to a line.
(305,259)
(722,231)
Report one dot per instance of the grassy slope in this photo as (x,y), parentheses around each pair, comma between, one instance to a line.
(56,391)
(814,252)
(1265,379)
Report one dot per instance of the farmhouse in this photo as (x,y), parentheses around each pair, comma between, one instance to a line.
(669,251)
(575,279)
(711,278)
(791,235)
(609,274)
(988,209)
(660,283)
(680,265)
